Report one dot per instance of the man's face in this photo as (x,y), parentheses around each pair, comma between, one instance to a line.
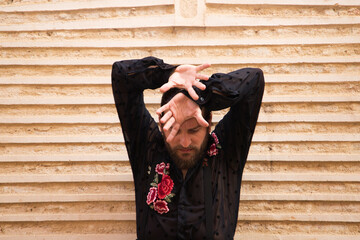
(189,144)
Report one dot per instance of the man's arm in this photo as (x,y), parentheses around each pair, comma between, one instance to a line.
(242,91)
(129,79)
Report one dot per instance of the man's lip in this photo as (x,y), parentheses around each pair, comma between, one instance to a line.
(185,150)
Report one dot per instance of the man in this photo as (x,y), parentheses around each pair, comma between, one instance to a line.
(187,182)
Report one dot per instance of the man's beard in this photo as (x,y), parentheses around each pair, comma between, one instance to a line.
(191,159)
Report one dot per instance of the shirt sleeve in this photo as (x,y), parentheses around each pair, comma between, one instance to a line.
(129,79)
(242,91)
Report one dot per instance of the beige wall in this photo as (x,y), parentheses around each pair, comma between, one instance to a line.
(63,165)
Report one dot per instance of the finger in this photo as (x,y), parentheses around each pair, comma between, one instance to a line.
(166,87)
(169,123)
(192,93)
(200,119)
(163,109)
(202,77)
(181,68)
(202,67)
(173,132)
(166,117)
(200,85)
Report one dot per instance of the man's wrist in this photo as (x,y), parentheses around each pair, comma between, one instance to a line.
(201,99)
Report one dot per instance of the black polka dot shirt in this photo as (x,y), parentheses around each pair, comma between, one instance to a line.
(169,206)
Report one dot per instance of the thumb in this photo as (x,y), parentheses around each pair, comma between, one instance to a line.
(166,87)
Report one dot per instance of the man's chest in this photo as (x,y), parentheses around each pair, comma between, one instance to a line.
(176,205)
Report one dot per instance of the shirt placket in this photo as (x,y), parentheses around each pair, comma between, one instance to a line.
(183,228)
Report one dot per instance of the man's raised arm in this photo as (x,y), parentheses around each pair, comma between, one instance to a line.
(129,79)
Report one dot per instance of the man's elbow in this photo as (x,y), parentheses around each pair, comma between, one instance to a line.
(260,80)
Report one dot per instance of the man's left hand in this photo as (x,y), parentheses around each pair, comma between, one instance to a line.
(187,77)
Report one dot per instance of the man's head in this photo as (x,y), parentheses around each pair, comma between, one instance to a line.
(189,144)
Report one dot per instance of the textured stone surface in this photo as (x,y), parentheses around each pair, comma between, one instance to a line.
(67,227)
(272,89)
(283,51)
(61,148)
(307,228)
(99,188)
(44,17)
(285,11)
(184,33)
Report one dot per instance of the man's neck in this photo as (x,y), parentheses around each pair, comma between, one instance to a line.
(184,171)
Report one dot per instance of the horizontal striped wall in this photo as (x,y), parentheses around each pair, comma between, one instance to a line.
(64,171)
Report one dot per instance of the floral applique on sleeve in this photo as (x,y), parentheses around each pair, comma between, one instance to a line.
(213,150)
(160,191)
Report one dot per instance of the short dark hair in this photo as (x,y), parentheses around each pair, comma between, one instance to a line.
(168,95)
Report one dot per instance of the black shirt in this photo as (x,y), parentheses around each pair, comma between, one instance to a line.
(169,206)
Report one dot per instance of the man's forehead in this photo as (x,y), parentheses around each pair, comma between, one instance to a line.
(190,123)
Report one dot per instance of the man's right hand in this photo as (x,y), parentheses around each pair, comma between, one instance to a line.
(179,109)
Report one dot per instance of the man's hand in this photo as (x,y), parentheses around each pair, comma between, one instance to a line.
(185,77)
(179,109)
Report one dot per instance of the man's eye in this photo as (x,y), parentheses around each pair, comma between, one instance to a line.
(195,130)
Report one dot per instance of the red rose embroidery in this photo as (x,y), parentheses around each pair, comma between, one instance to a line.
(161,206)
(151,195)
(216,140)
(161,188)
(165,186)
(213,150)
(162,168)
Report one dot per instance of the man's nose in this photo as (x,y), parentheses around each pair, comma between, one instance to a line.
(185,141)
